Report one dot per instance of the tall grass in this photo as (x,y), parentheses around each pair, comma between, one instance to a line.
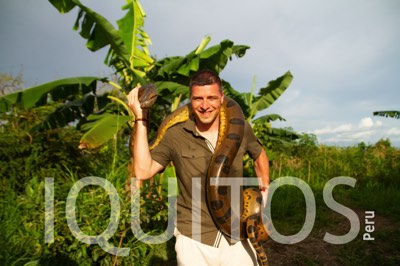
(22,235)
(378,164)
(376,169)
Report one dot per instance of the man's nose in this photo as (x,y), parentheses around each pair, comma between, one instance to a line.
(205,104)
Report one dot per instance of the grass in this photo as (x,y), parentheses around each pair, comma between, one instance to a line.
(289,206)
(384,250)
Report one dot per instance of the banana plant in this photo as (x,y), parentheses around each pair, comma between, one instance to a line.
(128,54)
(78,99)
(128,46)
(102,116)
(171,76)
(77,96)
(252,104)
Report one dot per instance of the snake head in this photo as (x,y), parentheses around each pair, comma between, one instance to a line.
(147,95)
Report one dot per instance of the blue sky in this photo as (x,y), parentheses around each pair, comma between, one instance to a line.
(343,54)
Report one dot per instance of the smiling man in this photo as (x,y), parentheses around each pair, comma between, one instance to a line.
(206,98)
(190,146)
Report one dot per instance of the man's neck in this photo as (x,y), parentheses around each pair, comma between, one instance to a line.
(208,128)
(209,131)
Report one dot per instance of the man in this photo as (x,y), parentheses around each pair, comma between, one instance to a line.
(190,146)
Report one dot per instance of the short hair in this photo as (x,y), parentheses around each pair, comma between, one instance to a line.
(205,77)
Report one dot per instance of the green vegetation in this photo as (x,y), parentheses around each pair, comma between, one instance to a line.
(394,114)
(376,169)
(22,205)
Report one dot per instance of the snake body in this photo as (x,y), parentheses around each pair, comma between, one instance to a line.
(249,223)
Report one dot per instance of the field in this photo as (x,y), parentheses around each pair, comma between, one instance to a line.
(26,162)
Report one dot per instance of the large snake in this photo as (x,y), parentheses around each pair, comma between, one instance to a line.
(250,223)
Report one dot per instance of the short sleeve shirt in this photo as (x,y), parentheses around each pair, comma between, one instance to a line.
(188,151)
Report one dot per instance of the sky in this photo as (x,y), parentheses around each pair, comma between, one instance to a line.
(343,54)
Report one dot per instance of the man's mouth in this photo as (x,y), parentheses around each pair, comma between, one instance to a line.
(206,113)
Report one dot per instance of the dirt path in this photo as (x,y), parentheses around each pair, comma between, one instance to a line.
(315,251)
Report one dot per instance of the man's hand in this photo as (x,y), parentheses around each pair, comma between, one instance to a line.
(134,104)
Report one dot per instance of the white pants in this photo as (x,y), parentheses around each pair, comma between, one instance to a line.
(193,253)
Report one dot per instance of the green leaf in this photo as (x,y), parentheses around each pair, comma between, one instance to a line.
(237,96)
(202,44)
(268,118)
(133,35)
(167,68)
(179,69)
(68,112)
(394,114)
(266,133)
(282,133)
(101,128)
(268,95)
(38,95)
(172,88)
(103,33)
(98,31)
(63,6)
(216,57)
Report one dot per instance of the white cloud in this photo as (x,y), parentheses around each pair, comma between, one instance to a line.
(367,122)
(362,125)
(394,131)
(367,129)
(331,130)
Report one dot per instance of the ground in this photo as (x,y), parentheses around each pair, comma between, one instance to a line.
(384,250)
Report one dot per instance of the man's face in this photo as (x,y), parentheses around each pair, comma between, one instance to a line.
(206,103)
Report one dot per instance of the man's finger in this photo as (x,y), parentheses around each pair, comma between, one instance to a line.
(133,95)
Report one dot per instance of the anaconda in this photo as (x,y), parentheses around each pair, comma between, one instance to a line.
(250,223)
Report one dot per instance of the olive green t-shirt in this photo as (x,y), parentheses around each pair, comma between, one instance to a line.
(188,151)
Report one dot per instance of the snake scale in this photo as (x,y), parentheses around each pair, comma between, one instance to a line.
(250,223)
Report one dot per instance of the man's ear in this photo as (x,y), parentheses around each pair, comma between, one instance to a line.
(222,97)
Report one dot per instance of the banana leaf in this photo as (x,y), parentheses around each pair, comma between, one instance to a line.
(269,94)
(55,90)
(268,118)
(94,27)
(393,114)
(101,128)
(179,69)
(237,96)
(133,35)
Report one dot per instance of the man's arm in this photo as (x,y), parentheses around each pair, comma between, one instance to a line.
(144,166)
(261,166)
